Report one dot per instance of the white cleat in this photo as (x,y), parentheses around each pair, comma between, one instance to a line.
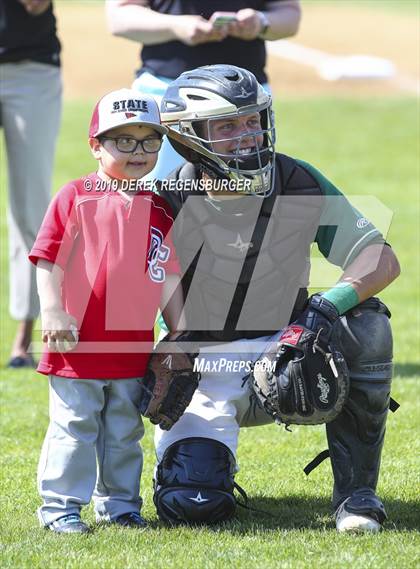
(351,522)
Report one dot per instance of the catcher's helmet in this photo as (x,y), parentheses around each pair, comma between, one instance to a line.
(215,92)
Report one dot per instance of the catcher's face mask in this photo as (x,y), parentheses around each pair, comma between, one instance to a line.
(221,118)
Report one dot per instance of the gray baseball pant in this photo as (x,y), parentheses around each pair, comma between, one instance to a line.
(91,449)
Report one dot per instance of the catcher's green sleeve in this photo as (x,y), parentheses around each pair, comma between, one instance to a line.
(343,231)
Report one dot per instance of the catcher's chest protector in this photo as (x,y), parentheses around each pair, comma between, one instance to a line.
(214,245)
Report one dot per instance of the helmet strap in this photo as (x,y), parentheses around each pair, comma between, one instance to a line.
(211,170)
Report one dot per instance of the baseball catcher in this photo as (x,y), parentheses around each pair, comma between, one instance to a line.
(302,379)
(244,248)
(169,382)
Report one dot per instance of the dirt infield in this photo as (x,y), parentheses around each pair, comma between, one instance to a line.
(95,62)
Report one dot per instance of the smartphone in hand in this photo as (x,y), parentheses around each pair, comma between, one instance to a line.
(222,18)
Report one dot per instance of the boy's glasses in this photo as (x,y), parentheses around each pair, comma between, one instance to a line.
(128,144)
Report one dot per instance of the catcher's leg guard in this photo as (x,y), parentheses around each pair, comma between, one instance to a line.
(195,482)
(356,437)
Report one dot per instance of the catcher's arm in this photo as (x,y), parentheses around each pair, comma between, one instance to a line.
(372,270)
(170,381)
(172,303)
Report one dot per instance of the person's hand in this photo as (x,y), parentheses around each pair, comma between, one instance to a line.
(319,316)
(247,25)
(59,330)
(194,30)
(35,7)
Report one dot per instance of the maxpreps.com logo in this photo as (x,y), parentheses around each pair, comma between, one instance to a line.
(158,253)
(225,365)
(130,107)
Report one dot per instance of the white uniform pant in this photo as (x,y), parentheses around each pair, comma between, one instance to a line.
(91,448)
(168,159)
(222,402)
(30,107)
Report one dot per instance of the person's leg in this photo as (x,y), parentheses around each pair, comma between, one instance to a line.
(211,413)
(67,466)
(19,356)
(222,401)
(31,109)
(120,458)
(194,479)
(356,437)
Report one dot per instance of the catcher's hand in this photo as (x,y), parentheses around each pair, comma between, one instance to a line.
(302,379)
(169,383)
(319,314)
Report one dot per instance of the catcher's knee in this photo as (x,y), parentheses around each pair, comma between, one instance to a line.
(364,337)
(195,482)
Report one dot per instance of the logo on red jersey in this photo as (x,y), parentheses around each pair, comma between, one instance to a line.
(158,253)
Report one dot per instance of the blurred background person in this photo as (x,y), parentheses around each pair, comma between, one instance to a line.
(177,36)
(30,110)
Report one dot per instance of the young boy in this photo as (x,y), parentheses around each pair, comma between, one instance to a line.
(104,263)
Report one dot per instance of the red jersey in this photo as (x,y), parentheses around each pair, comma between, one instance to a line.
(115,252)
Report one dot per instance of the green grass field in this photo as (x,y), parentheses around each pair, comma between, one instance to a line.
(366,148)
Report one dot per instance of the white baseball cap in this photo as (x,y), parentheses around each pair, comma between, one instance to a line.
(125,107)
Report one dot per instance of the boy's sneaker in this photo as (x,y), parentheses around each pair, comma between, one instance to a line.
(352,522)
(71,523)
(131,520)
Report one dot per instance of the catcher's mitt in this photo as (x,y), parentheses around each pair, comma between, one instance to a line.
(301,379)
(169,383)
